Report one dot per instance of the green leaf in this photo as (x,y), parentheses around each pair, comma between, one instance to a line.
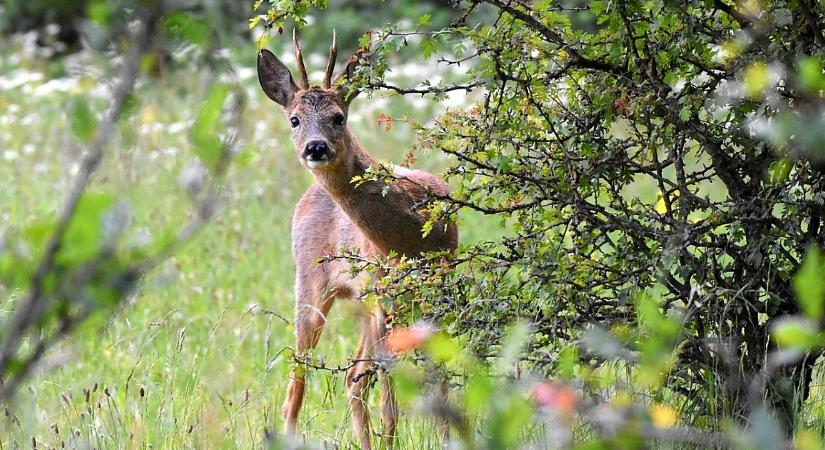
(82,121)
(811,77)
(130,106)
(508,421)
(652,319)
(780,170)
(513,344)
(208,145)
(38,233)
(794,332)
(809,284)
(477,392)
(568,360)
(181,25)
(424,20)
(428,47)
(99,12)
(364,40)
(13,365)
(427,228)
(84,233)
(253,22)
(685,113)
(441,348)
(657,339)
(756,79)
(407,380)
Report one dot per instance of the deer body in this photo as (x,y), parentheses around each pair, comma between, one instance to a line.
(373,218)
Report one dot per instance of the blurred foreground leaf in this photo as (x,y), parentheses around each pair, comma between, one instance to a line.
(809,284)
(208,145)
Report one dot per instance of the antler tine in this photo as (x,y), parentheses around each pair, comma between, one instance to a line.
(333,52)
(299,59)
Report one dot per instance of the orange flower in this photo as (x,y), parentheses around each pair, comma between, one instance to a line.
(402,339)
(559,397)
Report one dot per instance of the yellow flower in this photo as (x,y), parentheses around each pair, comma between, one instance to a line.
(149,116)
(663,416)
(661,206)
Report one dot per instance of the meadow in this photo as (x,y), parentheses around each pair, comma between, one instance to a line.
(199,356)
(197,359)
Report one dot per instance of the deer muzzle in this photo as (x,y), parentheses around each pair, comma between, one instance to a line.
(317,154)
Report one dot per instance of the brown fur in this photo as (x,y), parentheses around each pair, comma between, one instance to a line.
(336,214)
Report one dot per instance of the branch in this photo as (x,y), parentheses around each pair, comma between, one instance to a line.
(577,58)
(35,302)
(70,287)
(423,91)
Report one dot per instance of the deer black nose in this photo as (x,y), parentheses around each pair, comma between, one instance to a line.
(316,151)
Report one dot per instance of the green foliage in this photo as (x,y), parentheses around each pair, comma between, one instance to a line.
(797,333)
(184,26)
(657,339)
(84,234)
(653,167)
(278,11)
(205,130)
(657,166)
(183,350)
(70,265)
(809,284)
(100,12)
(83,121)
(811,77)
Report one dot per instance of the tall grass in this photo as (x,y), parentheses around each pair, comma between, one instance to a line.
(197,358)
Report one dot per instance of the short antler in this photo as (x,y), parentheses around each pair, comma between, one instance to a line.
(299,59)
(333,52)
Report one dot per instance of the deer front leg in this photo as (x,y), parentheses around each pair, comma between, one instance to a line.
(359,376)
(310,317)
(294,400)
(307,332)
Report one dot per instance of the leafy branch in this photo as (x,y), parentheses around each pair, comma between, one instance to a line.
(82,274)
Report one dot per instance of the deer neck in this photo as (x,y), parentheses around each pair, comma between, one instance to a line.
(357,200)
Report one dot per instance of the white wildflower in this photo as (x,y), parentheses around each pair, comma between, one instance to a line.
(192,177)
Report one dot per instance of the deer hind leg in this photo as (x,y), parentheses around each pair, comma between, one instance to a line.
(360,375)
(358,378)
(389,405)
(313,303)
(389,408)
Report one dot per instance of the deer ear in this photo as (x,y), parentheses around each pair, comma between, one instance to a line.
(275,78)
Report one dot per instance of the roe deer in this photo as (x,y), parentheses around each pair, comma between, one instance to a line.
(372,217)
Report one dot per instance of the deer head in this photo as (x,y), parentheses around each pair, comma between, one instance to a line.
(317,114)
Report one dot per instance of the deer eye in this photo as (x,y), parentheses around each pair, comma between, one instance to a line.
(338,120)
(294,121)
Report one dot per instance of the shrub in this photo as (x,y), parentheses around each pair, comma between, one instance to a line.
(657,150)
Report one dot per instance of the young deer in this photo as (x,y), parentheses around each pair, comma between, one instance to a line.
(333,214)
